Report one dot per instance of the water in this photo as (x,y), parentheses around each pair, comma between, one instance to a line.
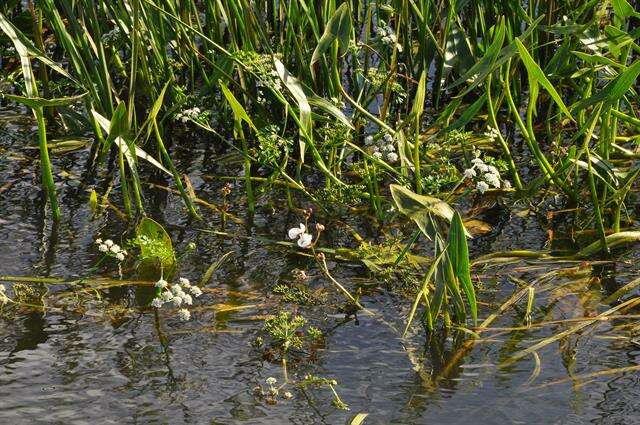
(91,359)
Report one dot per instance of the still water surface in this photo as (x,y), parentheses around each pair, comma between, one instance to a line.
(99,360)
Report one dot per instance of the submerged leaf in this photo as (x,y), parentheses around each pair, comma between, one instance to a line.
(157,257)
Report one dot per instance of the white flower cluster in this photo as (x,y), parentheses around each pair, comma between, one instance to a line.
(384,148)
(176,295)
(272,80)
(492,133)
(187,114)
(111,249)
(300,233)
(487,175)
(387,36)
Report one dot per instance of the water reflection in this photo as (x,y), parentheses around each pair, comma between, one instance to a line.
(111,362)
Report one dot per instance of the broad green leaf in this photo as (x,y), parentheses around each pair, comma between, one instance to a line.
(295,88)
(38,102)
(418,101)
(614,240)
(238,111)
(613,91)
(157,257)
(105,124)
(338,27)
(536,75)
(25,47)
(623,9)
(423,293)
(459,256)
(330,108)
(418,207)
(482,66)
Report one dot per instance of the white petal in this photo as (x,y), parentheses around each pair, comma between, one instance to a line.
(295,232)
(305,240)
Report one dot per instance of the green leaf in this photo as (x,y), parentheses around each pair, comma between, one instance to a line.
(26,48)
(330,108)
(482,67)
(156,250)
(614,90)
(238,111)
(623,9)
(613,240)
(419,207)
(294,86)
(338,27)
(38,102)
(423,293)
(536,75)
(459,256)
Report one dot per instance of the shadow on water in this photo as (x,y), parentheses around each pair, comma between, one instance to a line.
(108,359)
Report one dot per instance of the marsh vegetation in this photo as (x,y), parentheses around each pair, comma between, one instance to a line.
(319,212)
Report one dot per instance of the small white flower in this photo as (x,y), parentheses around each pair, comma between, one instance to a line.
(506,184)
(287,395)
(377,154)
(161,284)
(103,248)
(477,161)
(98,241)
(493,170)
(388,138)
(305,240)
(115,248)
(177,301)
(184,314)
(186,299)
(492,179)
(271,380)
(386,39)
(184,282)
(368,140)
(176,289)
(157,303)
(108,243)
(120,256)
(483,168)
(469,173)
(482,186)
(295,232)
(167,296)
(195,291)
(392,157)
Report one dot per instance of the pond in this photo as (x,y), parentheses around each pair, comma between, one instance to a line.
(96,352)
